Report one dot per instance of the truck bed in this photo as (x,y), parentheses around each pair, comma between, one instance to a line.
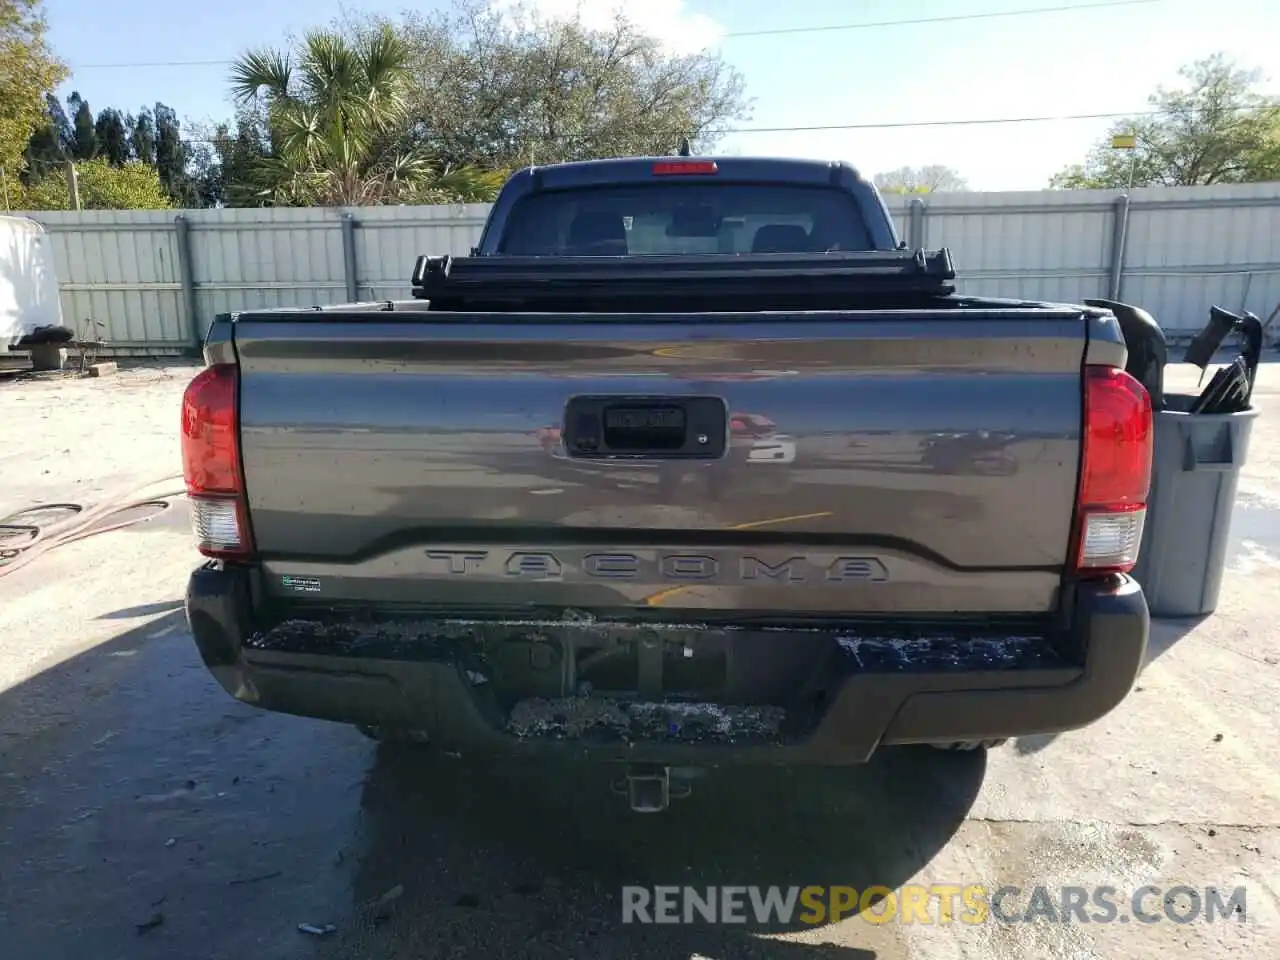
(921,462)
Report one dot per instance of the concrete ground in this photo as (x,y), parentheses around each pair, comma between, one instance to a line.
(143,813)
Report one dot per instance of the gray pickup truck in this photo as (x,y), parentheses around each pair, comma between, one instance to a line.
(691,462)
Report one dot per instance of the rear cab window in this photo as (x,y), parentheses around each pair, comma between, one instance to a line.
(673,219)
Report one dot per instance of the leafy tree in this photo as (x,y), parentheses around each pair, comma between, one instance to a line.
(112,136)
(59,121)
(153,139)
(49,143)
(84,138)
(466,184)
(934,178)
(222,159)
(243,154)
(331,107)
(203,167)
(143,138)
(28,70)
(134,186)
(1215,128)
(229,170)
(171,158)
(498,87)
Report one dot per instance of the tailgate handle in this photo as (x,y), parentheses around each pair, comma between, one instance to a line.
(646,427)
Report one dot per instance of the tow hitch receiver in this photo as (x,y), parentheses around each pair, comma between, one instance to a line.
(649,788)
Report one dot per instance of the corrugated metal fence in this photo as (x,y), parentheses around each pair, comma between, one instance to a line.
(157,278)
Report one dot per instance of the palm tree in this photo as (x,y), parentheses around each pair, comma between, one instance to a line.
(334,114)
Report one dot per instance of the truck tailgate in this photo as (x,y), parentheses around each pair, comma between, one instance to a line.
(919,462)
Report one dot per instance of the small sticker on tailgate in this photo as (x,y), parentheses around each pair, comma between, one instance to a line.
(301,584)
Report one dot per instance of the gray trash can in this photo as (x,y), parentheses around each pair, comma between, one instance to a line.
(1193,489)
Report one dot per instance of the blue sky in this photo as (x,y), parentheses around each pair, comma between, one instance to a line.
(127,53)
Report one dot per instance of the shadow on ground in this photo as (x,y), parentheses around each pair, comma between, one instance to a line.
(567,845)
(145,812)
(1165,632)
(1263,528)
(143,610)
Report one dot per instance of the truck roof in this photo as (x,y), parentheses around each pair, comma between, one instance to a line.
(631,169)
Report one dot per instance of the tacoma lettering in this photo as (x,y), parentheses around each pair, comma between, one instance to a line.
(650,566)
(536,566)
(621,566)
(753,568)
(689,568)
(857,568)
(459,562)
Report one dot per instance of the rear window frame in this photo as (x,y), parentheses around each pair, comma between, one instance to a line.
(513,215)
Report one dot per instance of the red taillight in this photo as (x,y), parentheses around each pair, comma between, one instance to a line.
(681,168)
(211,462)
(210,456)
(1115,471)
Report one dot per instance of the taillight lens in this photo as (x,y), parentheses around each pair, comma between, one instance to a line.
(1115,472)
(218,529)
(211,463)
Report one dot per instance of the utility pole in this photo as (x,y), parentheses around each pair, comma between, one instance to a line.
(73,185)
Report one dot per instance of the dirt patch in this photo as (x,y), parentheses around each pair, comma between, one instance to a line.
(573,718)
(71,439)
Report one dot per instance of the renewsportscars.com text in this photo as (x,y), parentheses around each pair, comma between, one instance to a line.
(936,904)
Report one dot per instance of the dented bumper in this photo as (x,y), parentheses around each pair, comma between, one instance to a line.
(827,694)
